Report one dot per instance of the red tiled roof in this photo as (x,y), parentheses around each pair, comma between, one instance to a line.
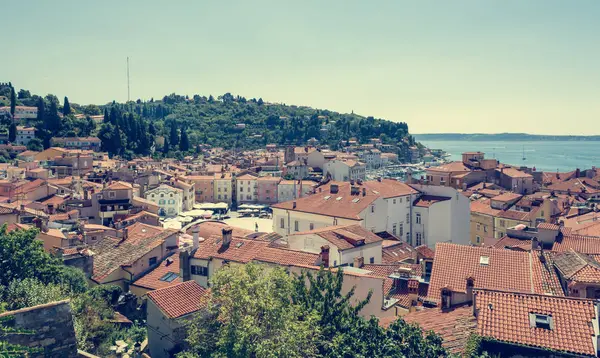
(398,252)
(425,252)
(344,237)
(455,326)
(514,173)
(506,197)
(119,185)
(505,316)
(181,299)
(450,167)
(583,244)
(152,280)
(513,243)
(483,207)
(426,201)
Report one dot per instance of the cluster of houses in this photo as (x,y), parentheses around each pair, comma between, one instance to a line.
(475,247)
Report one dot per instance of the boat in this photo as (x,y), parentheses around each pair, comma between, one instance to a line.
(524,153)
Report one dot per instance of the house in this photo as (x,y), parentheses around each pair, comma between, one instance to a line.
(84,143)
(122,260)
(296,169)
(188,196)
(333,204)
(247,188)
(166,274)
(49,154)
(292,189)
(25,134)
(28,155)
(223,188)
(372,158)
(113,200)
(344,170)
(203,187)
(267,189)
(458,269)
(345,243)
(167,311)
(21,112)
(482,221)
(168,199)
(579,274)
(515,180)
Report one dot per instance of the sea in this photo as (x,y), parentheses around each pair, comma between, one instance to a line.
(543,155)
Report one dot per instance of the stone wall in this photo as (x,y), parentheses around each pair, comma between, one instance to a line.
(48,326)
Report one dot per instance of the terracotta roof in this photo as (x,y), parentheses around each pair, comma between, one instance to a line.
(577,267)
(119,185)
(455,326)
(326,203)
(155,279)
(576,185)
(483,207)
(246,177)
(514,173)
(515,215)
(583,244)
(214,228)
(490,268)
(450,167)
(548,226)
(425,252)
(344,237)
(181,299)
(398,252)
(384,270)
(513,243)
(287,257)
(505,316)
(426,201)
(506,197)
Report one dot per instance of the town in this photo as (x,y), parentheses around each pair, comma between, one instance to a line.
(464,248)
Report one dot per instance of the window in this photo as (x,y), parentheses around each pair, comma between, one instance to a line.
(162,195)
(282,223)
(171,201)
(400,200)
(169,277)
(401,230)
(225,196)
(478,227)
(199,270)
(219,196)
(161,202)
(152,196)
(484,228)
(478,239)
(418,218)
(296,225)
(394,230)
(111,194)
(502,223)
(372,208)
(407,217)
(171,195)
(152,261)
(537,320)
(267,191)
(334,263)
(418,239)
(394,201)
(241,188)
(219,190)
(372,260)
(312,226)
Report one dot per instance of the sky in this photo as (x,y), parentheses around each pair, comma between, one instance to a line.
(441,66)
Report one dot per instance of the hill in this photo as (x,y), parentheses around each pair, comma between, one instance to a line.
(226,121)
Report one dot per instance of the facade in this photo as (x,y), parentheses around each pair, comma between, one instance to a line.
(169,199)
(267,189)
(223,188)
(293,189)
(84,143)
(188,194)
(515,180)
(25,134)
(113,200)
(21,112)
(372,158)
(203,187)
(247,189)
(296,169)
(344,170)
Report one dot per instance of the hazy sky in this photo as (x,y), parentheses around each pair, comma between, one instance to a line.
(441,66)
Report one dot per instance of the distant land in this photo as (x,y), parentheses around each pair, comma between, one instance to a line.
(502,137)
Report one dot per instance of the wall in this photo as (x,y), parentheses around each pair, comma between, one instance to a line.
(397,210)
(160,331)
(51,327)
(366,251)
(375,221)
(304,221)
(486,227)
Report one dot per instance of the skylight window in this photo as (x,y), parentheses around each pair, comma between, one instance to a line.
(484,260)
(338,198)
(327,197)
(538,320)
(169,277)
(355,200)
(239,244)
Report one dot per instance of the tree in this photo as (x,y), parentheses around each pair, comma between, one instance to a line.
(22,293)
(184,144)
(174,136)
(41,110)
(35,144)
(12,132)
(166,147)
(53,123)
(23,94)
(250,315)
(13,101)
(66,107)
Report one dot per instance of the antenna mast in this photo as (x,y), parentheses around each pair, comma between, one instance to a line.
(127,78)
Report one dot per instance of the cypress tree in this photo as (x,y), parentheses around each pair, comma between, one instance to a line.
(166,147)
(13,101)
(106,118)
(184,144)
(12,132)
(66,107)
(174,137)
(41,110)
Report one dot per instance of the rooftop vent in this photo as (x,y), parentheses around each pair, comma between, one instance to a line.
(338,198)
(239,244)
(334,188)
(327,197)
(484,260)
(355,200)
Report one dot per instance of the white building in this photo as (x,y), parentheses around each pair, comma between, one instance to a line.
(372,158)
(24,135)
(223,188)
(168,199)
(21,112)
(291,189)
(247,189)
(188,194)
(344,170)
(346,243)
(441,214)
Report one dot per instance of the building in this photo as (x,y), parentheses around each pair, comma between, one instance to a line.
(515,180)
(372,158)
(188,194)
(344,244)
(113,200)
(21,112)
(344,170)
(267,189)
(84,143)
(247,189)
(293,189)
(203,187)
(25,134)
(167,311)
(169,199)
(296,169)
(223,188)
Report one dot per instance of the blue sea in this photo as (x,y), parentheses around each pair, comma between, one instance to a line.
(543,155)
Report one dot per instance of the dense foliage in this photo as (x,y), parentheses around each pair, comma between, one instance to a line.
(30,276)
(264,312)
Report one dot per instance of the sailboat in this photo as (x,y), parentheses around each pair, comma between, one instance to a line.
(524,153)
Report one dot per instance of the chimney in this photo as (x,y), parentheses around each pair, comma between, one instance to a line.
(184,265)
(38,223)
(325,255)
(196,237)
(577,173)
(294,205)
(227,233)
(125,234)
(364,190)
(359,262)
